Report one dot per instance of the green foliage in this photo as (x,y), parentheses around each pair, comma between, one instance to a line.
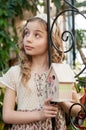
(82,81)
(8,39)
(9,9)
(80,36)
(57,4)
(14,7)
(1,105)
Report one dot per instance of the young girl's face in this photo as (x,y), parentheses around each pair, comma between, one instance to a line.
(35,39)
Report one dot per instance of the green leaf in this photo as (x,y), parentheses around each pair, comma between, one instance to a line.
(57,3)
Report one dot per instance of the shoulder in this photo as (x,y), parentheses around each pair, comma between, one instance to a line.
(11,77)
(15,69)
(14,72)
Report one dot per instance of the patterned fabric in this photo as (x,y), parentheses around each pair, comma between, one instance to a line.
(60,120)
(31,97)
(41,125)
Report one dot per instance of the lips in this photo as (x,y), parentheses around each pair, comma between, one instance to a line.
(28,47)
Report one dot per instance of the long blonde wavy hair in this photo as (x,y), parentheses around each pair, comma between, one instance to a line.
(26,60)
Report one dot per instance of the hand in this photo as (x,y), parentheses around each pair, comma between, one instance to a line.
(49,110)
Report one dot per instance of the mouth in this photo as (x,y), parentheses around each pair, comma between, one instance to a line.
(28,48)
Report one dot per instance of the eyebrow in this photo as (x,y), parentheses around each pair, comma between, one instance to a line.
(34,30)
(39,31)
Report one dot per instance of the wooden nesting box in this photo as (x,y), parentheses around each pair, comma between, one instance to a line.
(60,80)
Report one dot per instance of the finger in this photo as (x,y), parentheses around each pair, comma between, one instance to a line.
(47,101)
(50,108)
(50,113)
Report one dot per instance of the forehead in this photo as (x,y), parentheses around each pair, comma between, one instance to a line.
(35,24)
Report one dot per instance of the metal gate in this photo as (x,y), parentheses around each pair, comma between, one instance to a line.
(73,9)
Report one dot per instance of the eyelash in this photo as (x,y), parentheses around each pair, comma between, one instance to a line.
(37,35)
(26,33)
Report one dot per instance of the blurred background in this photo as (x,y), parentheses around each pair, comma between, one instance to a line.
(13,15)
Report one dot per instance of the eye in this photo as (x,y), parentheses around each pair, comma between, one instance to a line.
(37,35)
(26,33)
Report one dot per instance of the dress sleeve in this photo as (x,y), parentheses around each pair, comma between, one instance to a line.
(8,79)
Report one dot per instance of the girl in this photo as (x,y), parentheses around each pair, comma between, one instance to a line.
(25,83)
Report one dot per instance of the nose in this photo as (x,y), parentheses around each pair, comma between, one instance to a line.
(30,38)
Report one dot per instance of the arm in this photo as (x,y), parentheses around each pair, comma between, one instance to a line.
(66,105)
(11,116)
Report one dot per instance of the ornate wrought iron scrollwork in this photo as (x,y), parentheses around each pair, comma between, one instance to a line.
(59,14)
(81,115)
(51,42)
(74,9)
(80,72)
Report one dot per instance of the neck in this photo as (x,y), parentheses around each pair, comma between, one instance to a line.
(40,64)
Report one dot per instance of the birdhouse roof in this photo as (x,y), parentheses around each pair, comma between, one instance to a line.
(63,72)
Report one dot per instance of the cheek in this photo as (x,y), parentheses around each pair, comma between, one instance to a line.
(24,43)
(45,46)
(24,40)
